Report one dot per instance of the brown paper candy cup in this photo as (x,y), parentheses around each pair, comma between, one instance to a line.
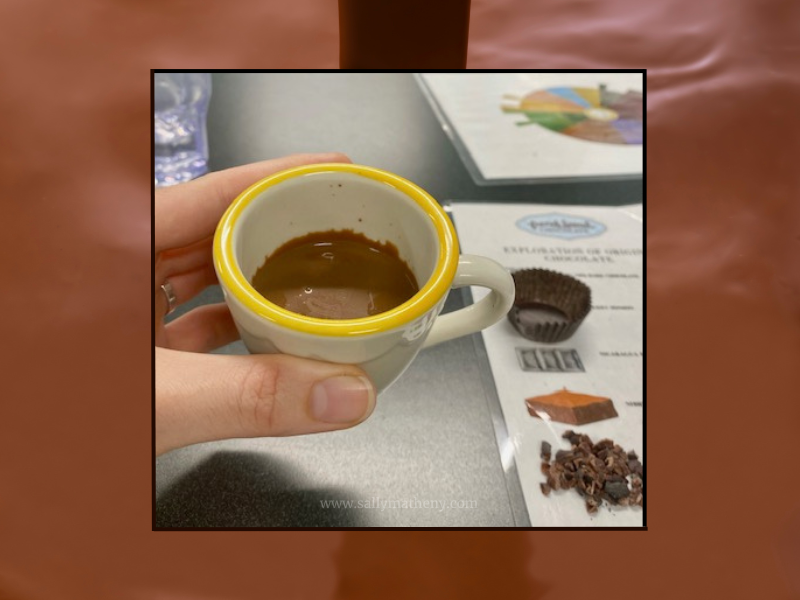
(549,306)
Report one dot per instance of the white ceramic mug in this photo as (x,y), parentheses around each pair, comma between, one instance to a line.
(382,206)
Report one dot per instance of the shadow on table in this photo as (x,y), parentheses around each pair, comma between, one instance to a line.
(246,489)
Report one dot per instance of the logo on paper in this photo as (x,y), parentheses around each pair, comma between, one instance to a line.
(561,226)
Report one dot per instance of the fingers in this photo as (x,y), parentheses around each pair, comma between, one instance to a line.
(188,212)
(204,397)
(185,287)
(203,329)
(181,260)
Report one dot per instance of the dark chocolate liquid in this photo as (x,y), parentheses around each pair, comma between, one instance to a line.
(457,565)
(335,275)
(412,34)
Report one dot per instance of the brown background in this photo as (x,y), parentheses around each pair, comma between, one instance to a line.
(723,291)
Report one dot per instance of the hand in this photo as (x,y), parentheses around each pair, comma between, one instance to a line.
(202,397)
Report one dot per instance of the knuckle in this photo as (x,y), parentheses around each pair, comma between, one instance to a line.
(257,400)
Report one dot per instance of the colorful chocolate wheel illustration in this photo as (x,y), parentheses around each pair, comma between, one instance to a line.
(596,115)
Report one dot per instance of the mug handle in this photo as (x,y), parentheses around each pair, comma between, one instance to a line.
(484,272)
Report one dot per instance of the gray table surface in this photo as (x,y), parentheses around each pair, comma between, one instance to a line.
(437,434)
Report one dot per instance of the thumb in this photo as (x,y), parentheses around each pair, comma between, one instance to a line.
(204,397)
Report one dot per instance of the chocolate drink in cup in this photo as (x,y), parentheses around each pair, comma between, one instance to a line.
(335,275)
(412,34)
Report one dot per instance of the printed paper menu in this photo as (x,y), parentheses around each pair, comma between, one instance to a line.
(603,360)
(542,126)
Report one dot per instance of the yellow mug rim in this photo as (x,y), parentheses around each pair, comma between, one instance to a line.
(418,305)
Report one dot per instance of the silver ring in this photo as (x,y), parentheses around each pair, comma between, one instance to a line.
(172,300)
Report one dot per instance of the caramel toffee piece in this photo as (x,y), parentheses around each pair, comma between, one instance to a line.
(568,407)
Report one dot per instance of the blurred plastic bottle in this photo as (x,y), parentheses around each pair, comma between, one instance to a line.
(181,144)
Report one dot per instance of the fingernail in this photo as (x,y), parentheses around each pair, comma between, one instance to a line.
(342,399)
